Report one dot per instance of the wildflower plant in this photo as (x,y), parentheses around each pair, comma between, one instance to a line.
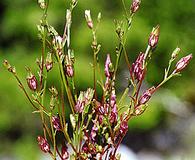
(97,124)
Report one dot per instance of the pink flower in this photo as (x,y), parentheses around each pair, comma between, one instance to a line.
(64,152)
(107,66)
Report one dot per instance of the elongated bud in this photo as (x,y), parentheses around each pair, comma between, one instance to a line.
(43,144)
(137,67)
(69,70)
(154,37)
(56,123)
(32,81)
(146,96)
(123,127)
(182,63)
(88,19)
(175,53)
(64,153)
(108,67)
(49,62)
(135,6)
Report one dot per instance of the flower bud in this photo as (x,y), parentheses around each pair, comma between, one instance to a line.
(137,67)
(43,144)
(69,70)
(108,67)
(58,42)
(9,67)
(88,19)
(32,82)
(154,36)
(49,62)
(175,53)
(146,96)
(135,6)
(42,4)
(56,123)
(182,63)
(64,153)
(123,127)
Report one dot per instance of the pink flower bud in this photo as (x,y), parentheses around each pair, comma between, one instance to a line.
(137,67)
(135,6)
(43,144)
(146,96)
(154,36)
(107,66)
(49,62)
(123,127)
(88,19)
(69,71)
(64,152)
(32,82)
(56,123)
(182,63)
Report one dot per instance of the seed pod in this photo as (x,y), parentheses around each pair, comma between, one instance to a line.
(43,144)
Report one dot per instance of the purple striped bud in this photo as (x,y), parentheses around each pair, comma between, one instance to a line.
(146,96)
(43,144)
(64,153)
(137,67)
(94,130)
(32,82)
(123,127)
(56,123)
(107,66)
(135,6)
(154,36)
(182,63)
(69,71)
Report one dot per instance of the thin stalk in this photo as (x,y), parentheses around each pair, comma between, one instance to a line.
(65,83)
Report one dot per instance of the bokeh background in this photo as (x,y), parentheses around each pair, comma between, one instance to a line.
(165,131)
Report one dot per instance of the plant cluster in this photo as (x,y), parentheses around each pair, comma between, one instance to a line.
(97,124)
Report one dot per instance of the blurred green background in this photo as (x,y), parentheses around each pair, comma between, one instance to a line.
(171,111)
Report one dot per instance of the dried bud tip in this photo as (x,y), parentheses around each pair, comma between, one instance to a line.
(154,37)
(135,6)
(182,63)
(88,19)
